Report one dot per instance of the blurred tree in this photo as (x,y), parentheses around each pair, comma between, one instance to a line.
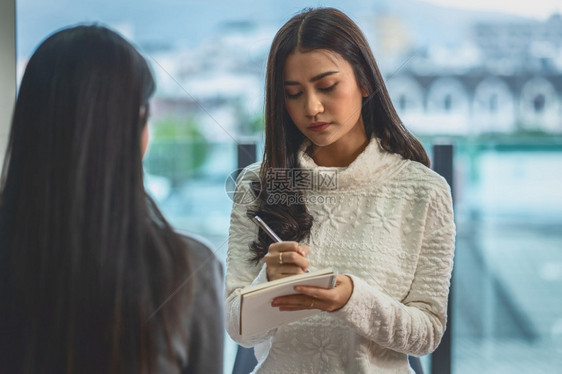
(254,125)
(177,150)
(249,123)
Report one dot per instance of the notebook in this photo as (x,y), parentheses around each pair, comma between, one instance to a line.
(257,316)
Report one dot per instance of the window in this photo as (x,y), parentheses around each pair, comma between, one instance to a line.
(209,62)
(493,103)
(447,103)
(538,103)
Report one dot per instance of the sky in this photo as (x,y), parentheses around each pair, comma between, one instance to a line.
(540,9)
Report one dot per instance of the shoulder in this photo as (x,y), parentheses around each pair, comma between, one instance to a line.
(250,173)
(428,193)
(246,188)
(206,274)
(421,177)
(201,256)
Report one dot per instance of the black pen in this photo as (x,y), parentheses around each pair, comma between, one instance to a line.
(265,227)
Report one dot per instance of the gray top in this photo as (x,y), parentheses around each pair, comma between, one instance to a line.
(203,320)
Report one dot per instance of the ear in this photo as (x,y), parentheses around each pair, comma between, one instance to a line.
(364,92)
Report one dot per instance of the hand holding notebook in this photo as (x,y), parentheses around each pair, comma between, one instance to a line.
(258,316)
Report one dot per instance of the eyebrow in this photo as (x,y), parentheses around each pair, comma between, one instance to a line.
(313,79)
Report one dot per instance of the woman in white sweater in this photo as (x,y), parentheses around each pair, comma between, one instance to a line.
(345,185)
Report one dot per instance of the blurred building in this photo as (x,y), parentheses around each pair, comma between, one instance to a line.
(529,46)
(507,79)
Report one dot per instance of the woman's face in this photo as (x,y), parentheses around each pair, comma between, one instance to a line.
(144,133)
(144,139)
(324,100)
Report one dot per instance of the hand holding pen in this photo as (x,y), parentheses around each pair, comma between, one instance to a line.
(283,258)
(288,258)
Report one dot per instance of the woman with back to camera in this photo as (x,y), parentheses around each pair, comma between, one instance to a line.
(372,209)
(92,277)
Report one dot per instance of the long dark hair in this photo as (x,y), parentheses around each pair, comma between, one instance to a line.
(330,29)
(86,258)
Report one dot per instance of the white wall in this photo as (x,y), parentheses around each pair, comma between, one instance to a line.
(7,69)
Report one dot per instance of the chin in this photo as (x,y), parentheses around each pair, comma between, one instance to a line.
(320,142)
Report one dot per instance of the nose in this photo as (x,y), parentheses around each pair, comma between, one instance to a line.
(313,105)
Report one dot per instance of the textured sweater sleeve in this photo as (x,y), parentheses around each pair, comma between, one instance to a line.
(416,324)
(240,271)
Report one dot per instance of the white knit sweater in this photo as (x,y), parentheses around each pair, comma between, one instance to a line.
(389,226)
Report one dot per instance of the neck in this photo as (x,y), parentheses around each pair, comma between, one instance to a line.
(338,154)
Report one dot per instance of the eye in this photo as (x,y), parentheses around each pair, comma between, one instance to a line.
(328,88)
(291,95)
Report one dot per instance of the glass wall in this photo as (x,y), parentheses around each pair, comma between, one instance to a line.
(490,83)
(508,273)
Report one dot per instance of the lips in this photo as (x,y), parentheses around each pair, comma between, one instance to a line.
(318,126)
